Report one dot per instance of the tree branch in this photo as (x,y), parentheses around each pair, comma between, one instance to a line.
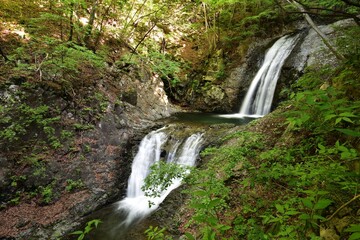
(344,205)
(143,38)
(351,3)
(336,14)
(317,30)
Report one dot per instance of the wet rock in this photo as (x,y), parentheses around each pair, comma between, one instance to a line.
(328,234)
(213,97)
(344,212)
(342,223)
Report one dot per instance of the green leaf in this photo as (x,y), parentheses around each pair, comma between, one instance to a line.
(322,148)
(212,220)
(318,217)
(330,116)
(346,119)
(345,155)
(201,218)
(280,208)
(304,216)
(292,212)
(355,236)
(349,132)
(88,228)
(189,236)
(322,204)
(77,233)
(199,205)
(338,120)
(347,114)
(199,193)
(214,203)
(321,192)
(307,202)
(223,227)
(212,237)
(342,148)
(353,228)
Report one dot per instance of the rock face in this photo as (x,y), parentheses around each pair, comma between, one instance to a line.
(310,52)
(98,159)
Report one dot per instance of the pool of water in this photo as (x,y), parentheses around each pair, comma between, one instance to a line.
(210,118)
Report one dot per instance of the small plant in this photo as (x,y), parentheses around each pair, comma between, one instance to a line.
(88,228)
(161,176)
(16,179)
(313,205)
(16,199)
(155,233)
(71,185)
(46,193)
(354,229)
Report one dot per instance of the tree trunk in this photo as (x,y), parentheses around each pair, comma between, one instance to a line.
(71,22)
(98,33)
(90,23)
(205,17)
(3,55)
(325,39)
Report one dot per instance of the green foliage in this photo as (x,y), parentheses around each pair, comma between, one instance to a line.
(208,199)
(325,107)
(62,66)
(164,65)
(322,108)
(18,120)
(161,176)
(88,228)
(155,233)
(313,204)
(16,179)
(286,191)
(208,192)
(46,193)
(349,47)
(355,231)
(72,185)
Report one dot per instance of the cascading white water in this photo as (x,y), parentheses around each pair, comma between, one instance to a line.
(259,97)
(136,204)
(149,153)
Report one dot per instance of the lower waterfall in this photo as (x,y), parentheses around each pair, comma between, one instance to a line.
(136,204)
(119,220)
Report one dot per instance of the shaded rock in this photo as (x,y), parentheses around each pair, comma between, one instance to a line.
(328,234)
(213,96)
(342,223)
(5,167)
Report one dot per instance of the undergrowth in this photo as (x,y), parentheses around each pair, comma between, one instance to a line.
(293,187)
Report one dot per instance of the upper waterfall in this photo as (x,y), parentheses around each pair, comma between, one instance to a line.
(259,97)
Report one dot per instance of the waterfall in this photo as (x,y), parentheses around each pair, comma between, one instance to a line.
(259,97)
(136,205)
